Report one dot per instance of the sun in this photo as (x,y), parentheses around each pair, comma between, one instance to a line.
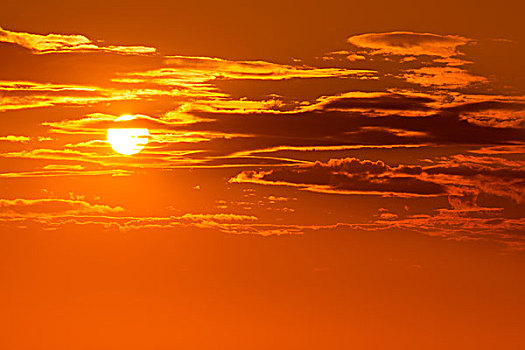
(127,141)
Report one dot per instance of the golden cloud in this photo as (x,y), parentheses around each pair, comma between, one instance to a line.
(443,77)
(188,69)
(52,206)
(13,138)
(410,43)
(15,95)
(53,43)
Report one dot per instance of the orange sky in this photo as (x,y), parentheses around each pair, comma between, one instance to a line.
(319,175)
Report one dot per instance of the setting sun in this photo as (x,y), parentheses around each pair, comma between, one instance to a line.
(127,141)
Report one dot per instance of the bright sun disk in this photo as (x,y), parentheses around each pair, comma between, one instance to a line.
(127,140)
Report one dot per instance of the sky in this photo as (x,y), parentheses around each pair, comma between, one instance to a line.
(322,174)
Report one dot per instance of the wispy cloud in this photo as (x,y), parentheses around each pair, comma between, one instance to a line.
(59,43)
(53,213)
(16,95)
(14,138)
(179,70)
(12,208)
(481,223)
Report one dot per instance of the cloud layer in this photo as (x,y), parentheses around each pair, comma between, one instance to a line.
(393,120)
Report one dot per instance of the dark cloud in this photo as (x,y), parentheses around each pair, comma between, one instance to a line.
(214,137)
(336,127)
(385,102)
(487,105)
(349,175)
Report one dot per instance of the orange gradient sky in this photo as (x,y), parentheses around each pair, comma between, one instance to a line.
(317,175)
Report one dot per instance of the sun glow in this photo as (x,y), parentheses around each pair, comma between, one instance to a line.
(127,140)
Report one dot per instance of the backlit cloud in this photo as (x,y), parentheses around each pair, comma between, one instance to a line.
(187,69)
(410,43)
(456,176)
(403,129)
(442,77)
(55,43)
(16,95)
(345,176)
(13,138)
(12,208)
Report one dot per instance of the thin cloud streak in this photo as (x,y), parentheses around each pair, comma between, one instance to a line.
(62,43)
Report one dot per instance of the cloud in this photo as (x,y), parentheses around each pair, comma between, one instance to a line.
(187,80)
(65,171)
(355,57)
(466,176)
(271,122)
(497,150)
(442,48)
(375,102)
(473,224)
(498,114)
(188,69)
(226,105)
(219,217)
(352,120)
(16,95)
(442,77)
(330,56)
(13,138)
(56,43)
(410,44)
(194,78)
(52,206)
(347,121)
(344,176)
(340,128)
(94,123)
(456,177)
(53,213)
(468,182)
